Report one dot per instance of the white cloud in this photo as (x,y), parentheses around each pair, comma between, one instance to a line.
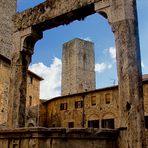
(142,64)
(112,52)
(100,67)
(51,85)
(109,66)
(86,39)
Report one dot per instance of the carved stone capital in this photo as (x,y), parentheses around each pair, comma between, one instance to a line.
(116,10)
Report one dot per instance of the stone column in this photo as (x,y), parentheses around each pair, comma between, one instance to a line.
(122,16)
(24,42)
(129,74)
(130,81)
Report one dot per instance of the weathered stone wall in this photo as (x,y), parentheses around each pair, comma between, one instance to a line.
(43,115)
(78,67)
(145,92)
(33,90)
(4,88)
(146,133)
(32,100)
(58,138)
(52,9)
(81,116)
(7,10)
(124,22)
(51,115)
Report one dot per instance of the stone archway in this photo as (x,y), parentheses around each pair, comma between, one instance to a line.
(31,123)
(24,42)
(122,16)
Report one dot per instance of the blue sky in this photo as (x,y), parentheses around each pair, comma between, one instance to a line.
(47,57)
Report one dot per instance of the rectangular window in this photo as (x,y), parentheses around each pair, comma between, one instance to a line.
(15,145)
(53,125)
(93,100)
(71,124)
(146,121)
(30,80)
(30,100)
(108,123)
(107,98)
(63,106)
(93,123)
(78,104)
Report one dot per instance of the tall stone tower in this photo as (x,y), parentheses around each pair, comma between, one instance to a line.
(78,68)
(7,10)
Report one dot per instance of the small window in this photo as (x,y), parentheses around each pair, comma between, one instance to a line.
(93,100)
(107,98)
(108,123)
(15,145)
(71,124)
(30,79)
(53,125)
(93,123)
(146,121)
(2,110)
(30,100)
(78,104)
(63,106)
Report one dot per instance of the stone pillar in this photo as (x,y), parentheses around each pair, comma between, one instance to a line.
(130,75)
(122,16)
(24,42)
(130,81)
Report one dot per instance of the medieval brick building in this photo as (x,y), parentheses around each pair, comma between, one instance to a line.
(82,107)
(97,108)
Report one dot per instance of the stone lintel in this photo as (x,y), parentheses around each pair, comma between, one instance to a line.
(53,13)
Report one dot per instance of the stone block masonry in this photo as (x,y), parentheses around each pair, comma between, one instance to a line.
(78,68)
(58,138)
(7,10)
